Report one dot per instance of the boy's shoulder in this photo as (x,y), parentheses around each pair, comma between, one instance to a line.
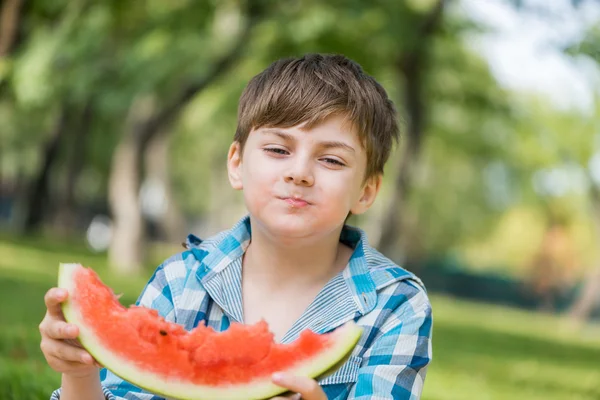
(382,270)
(197,251)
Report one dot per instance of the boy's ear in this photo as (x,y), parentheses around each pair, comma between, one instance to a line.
(368,194)
(234,165)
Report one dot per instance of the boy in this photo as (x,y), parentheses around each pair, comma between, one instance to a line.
(313,136)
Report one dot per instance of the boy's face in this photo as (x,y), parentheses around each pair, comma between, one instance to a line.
(300,183)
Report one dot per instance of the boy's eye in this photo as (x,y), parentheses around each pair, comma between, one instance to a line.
(276,150)
(334,162)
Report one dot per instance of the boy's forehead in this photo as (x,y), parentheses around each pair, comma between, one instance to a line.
(337,126)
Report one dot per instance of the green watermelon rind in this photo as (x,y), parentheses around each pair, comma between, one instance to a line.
(319,366)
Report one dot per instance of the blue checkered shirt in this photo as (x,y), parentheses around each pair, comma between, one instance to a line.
(391,358)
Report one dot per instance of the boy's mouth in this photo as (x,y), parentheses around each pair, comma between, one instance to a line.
(295,201)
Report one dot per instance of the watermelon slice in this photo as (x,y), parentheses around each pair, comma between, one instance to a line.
(162,357)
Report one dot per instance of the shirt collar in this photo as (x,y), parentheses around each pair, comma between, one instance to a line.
(222,251)
(357,274)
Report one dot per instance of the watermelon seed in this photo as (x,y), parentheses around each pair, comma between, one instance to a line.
(163,333)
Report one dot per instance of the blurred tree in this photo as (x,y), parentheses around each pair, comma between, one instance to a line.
(166,214)
(589,296)
(79,72)
(467,132)
(30,74)
(66,219)
(10,15)
(474,168)
(150,115)
(38,193)
(412,60)
(544,230)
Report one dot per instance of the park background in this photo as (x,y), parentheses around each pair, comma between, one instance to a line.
(115,119)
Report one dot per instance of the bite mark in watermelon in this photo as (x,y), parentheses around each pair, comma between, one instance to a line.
(138,345)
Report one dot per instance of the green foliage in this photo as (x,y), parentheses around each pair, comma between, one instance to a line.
(106,54)
(588,45)
(483,145)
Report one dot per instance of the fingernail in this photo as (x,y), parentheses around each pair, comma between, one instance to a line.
(86,359)
(278,376)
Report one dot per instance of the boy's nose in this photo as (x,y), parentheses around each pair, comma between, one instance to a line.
(304,181)
(300,176)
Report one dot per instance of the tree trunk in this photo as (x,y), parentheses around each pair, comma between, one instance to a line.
(37,197)
(169,219)
(411,66)
(589,296)
(9,25)
(66,216)
(125,252)
(392,222)
(588,299)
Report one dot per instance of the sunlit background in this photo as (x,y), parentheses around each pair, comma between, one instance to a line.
(116,117)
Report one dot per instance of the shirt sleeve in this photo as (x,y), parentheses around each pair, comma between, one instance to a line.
(107,394)
(395,365)
(157,294)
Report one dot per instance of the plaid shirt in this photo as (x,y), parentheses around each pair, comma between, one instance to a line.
(391,358)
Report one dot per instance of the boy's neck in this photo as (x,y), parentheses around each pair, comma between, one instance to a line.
(298,263)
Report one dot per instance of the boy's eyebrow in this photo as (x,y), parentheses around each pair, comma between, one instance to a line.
(336,144)
(281,134)
(328,144)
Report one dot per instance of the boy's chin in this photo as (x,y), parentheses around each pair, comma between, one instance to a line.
(296,228)
(285,229)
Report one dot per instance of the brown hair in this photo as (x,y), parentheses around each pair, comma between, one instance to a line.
(309,89)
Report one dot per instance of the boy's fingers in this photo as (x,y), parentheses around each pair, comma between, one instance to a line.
(61,330)
(53,298)
(64,365)
(73,342)
(308,388)
(62,351)
(74,354)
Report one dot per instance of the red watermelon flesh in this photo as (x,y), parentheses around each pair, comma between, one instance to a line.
(137,344)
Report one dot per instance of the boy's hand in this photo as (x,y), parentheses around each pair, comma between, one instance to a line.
(305,388)
(59,340)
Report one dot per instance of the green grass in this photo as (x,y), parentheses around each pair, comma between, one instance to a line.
(490,352)
(481,351)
